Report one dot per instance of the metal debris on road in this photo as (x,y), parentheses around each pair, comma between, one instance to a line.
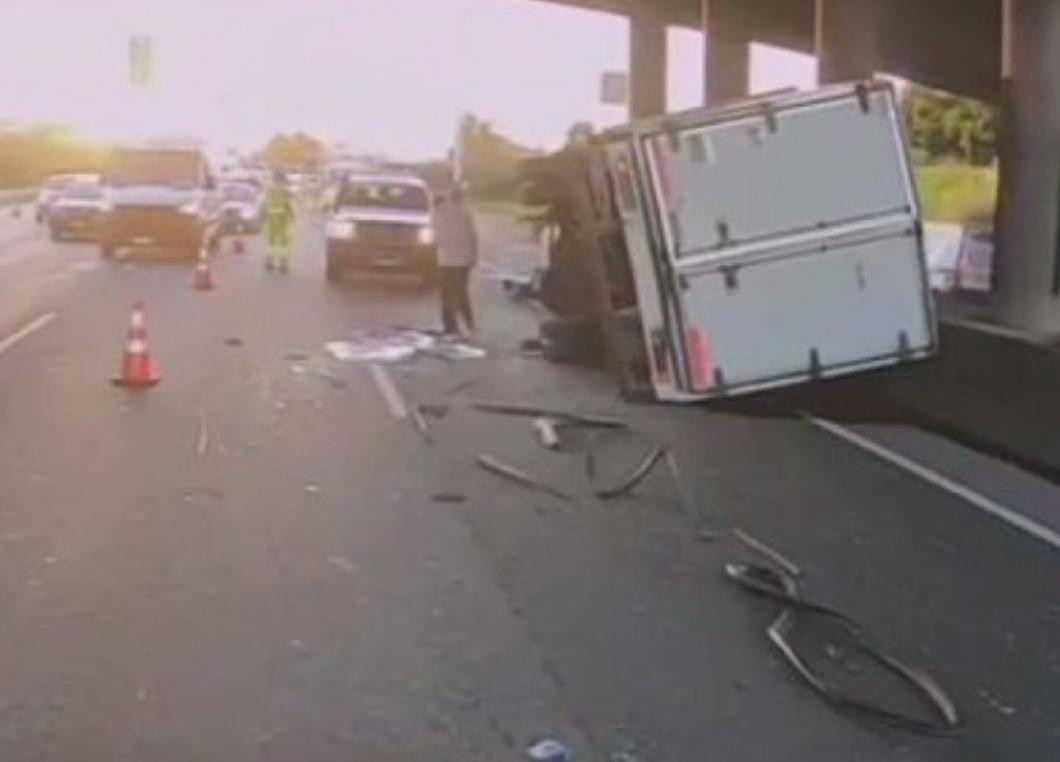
(490,463)
(548,750)
(455,350)
(568,418)
(396,344)
(233,341)
(547,432)
(203,442)
(635,477)
(689,504)
(448,497)
(420,424)
(462,386)
(311,489)
(388,389)
(296,357)
(782,588)
(1002,708)
(335,381)
(590,457)
(767,552)
(343,563)
(434,410)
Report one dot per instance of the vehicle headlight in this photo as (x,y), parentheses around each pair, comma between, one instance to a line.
(425,235)
(342,229)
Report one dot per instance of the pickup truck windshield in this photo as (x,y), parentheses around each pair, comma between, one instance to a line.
(178,169)
(402,196)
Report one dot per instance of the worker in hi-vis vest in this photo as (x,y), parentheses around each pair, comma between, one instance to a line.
(279,225)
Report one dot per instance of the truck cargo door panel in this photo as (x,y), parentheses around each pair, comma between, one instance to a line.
(788,314)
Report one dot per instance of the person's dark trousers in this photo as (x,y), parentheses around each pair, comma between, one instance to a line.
(456,299)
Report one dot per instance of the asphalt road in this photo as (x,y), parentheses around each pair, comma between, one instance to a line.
(247,562)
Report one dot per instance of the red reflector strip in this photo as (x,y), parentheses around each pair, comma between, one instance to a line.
(700,360)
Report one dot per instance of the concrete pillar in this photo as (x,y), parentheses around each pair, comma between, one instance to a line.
(1027,261)
(727,56)
(647,64)
(844,40)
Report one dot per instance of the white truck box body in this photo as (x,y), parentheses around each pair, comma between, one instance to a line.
(774,241)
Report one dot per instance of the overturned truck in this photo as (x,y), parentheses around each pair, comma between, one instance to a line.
(723,251)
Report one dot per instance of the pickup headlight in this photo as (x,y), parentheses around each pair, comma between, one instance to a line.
(342,229)
(425,235)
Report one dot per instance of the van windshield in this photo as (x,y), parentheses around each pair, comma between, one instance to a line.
(178,169)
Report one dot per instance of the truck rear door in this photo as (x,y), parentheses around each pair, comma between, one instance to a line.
(792,231)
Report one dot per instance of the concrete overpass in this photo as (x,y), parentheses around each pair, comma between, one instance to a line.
(1005,52)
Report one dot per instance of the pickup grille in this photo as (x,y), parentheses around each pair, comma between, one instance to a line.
(387,233)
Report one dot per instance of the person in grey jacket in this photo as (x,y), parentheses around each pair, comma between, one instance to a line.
(457,240)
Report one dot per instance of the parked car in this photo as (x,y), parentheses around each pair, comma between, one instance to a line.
(242,208)
(76,211)
(159,197)
(382,223)
(960,258)
(51,188)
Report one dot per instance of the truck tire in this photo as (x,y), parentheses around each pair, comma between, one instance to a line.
(573,341)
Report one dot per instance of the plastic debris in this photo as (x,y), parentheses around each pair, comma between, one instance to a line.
(420,423)
(567,418)
(635,477)
(203,442)
(548,750)
(490,463)
(766,582)
(448,497)
(547,432)
(767,552)
(396,344)
(343,563)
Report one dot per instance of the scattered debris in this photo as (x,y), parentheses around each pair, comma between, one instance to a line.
(396,344)
(335,381)
(420,423)
(434,410)
(767,552)
(141,695)
(532,345)
(203,442)
(460,387)
(635,477)
(590,457)
(782,588)
(233,341)
(296,357)
(297,369)
(572,419)
(311,489)
(1002,708)
(448,497)
(51,560)
(548,750)
(343,563)
(547,432)
(704,533)
(455,350)
(514,474)
(390,392)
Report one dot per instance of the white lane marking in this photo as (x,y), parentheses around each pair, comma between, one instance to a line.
(935,479)
(26,330)
(390,392)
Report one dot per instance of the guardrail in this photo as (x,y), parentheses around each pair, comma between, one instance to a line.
(19,196)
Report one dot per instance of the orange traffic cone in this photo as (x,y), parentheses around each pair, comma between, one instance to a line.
(203,280)
(138,368)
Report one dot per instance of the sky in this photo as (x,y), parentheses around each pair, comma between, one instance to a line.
(381,76)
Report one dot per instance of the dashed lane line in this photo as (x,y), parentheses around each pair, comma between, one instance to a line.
(389,391)
(934,478)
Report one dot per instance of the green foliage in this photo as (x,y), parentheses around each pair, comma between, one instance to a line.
(488,160)
(943,126)
(957,193)
(27,156)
